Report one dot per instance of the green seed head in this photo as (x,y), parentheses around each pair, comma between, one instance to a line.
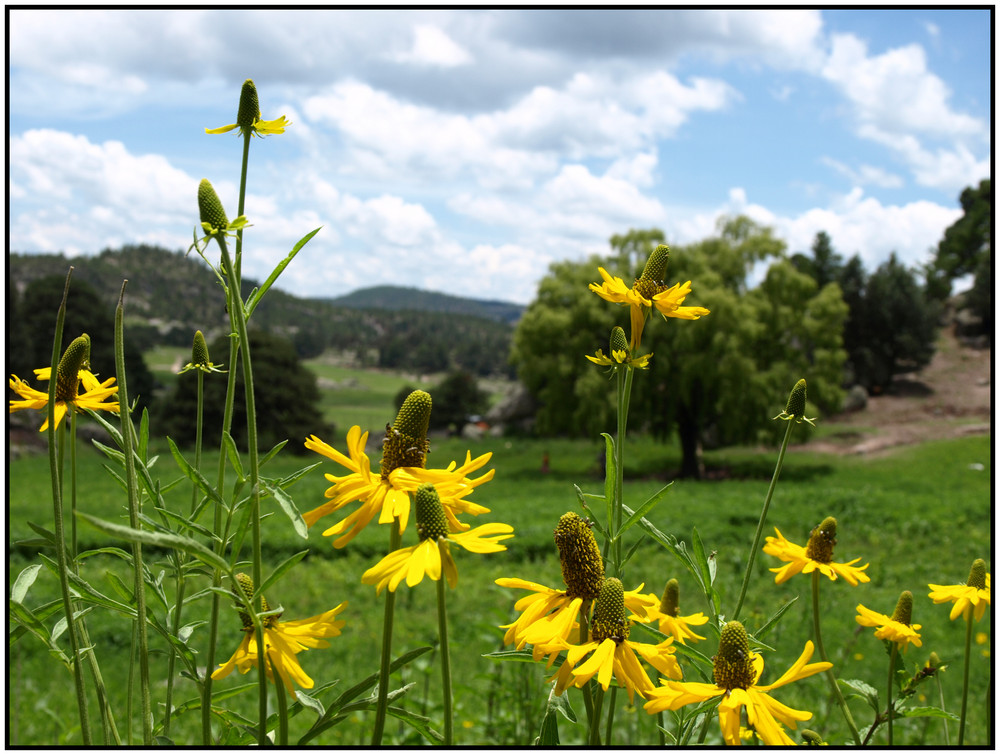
(904,608)
(210,207)
(75,358)
(670,603)
(821,541)
(199,351)
(249,111)
(609,613)
(246,586)
(732,664)
(656,266)
(811,738)
(431,521)
(934,662)
(796,405)
(618,341)
(406,443)
(579,556)
(977,575)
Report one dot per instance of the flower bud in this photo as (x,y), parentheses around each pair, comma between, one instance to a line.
(796,405)
(579,556)
(75,358)
(431,521)
(249,111)
(213,217)
(670,603)
(731,666)
(656,266)
(904,608)
(618,343)
(609,613)
(821,541)
(406,443)
(199,351)
(977,575)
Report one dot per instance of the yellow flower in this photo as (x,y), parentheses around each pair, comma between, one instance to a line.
(737,673)
(620,353)
(388,495)
(897,629)
(817,556)
(648,292)
(433,553)
(70,374)
(610,651)
(665,612)
(283,640)
(973,596)
(248,119)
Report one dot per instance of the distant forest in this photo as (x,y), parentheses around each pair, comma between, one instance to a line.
(171,295)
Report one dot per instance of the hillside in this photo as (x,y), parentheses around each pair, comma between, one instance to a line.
(170,295)
(404,298)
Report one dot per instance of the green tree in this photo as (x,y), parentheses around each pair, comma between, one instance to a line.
(85,313)
(455,399)
(892,325)
(967,249)
(825,264)
(286,395)
(721,377)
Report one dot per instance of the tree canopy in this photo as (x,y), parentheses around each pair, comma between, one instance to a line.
(719,379)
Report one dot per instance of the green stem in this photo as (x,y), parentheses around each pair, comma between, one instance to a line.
(445,664)
(611,717)
(279,686)
(660,725)
(395,540)
(134,522)
(74,549)
(940,689)
(595,722)
(180,560)
(760,522)
(237,315)
(588,697)
(55,474)
(965,675)
(831,677)
(888,692)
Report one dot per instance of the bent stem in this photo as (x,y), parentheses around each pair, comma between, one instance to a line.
(395,540)
(841,702)
(760,522)
(965,675)
(445,663)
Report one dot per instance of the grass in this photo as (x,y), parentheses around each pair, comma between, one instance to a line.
(918,515)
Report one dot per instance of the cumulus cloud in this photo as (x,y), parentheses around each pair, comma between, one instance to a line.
(433,47)
(865,174)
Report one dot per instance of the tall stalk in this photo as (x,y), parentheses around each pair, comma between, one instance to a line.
(831,677)
(445,663)
(395,541)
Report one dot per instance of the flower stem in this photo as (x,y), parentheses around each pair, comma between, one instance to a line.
(760,522)
(888,692)
(940,689)
(133,515)
(829,672)
(279,687)
(611,717)
(237,316)
(595,722)
(55,475)
(965,675)
(445,664)
(395,540)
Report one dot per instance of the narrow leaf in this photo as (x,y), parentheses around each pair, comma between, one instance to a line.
(256,297)
(645,508)
(193,474)
(234,455)
(23,582)
(288,506)
(278,573)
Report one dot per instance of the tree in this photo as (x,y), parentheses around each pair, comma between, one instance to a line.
(967,249)
(723,376)
(85,313)
(825,264)
(892,324)
(285,394)
(455,399)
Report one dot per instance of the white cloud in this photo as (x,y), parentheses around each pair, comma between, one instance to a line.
(433,47)
(865,174)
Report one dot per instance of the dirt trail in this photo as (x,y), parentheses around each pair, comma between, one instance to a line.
(949,398)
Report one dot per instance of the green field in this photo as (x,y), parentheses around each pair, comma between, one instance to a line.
(918,515)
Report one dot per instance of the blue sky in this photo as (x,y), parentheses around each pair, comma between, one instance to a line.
(465,150)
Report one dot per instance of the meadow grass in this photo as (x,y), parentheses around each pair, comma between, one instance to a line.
(918,514)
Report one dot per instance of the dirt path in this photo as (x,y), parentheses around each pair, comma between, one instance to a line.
(949,398)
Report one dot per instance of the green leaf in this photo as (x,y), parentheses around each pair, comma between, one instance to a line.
(609,469)
(288,506)
(582,497)
(46,534)
(159,540)
(309,702)
(772,622)
(926,712)
(23,582)
(279,572)
(420,724)
(234,455)
(255,298)
(522,656)
(700,559)
(645,508)
(864,690)
(143,434)
(273,452)
(632,550)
